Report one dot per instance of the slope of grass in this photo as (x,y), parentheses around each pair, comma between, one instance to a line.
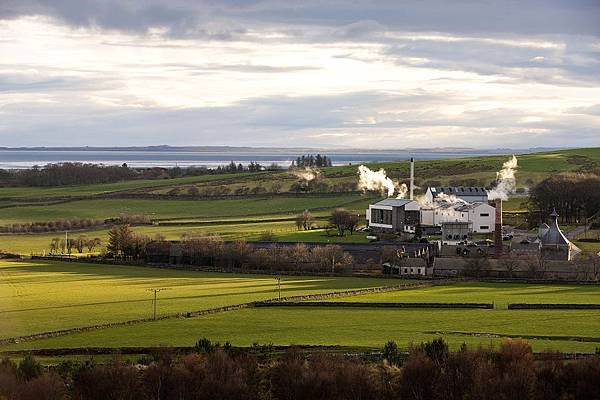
(87,190)
(46,296)
(165,209)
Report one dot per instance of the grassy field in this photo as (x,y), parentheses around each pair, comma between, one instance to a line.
(88,190)
(45,296)
(283,231)
(500,295)
(166,209)
(573,331)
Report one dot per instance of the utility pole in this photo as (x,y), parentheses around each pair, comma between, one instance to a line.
(155,291)
(279,287)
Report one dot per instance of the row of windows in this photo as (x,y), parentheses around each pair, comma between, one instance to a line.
(381,216)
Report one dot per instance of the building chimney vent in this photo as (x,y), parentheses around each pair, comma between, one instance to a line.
(498,229)
(412,178)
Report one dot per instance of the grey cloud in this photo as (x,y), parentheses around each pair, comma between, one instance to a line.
(407,118)
(188,16)
(590,110)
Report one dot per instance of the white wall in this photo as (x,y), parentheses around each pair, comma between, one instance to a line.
(480,220)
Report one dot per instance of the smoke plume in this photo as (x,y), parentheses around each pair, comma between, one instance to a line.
(307,174)
(506,183)
(375,181)
(448,198)
(402,190)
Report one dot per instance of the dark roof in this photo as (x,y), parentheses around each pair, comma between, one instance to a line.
(393,202)
(459,190)
(554,236)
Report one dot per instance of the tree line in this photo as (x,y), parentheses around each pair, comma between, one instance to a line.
(216,372)
(68,245)
(311,161)
(212,250)
(53,226)
(73,173)
(574,195)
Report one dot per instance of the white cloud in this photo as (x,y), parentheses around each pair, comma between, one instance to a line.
(263,73)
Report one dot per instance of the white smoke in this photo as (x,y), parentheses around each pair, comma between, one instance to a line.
(506,183)
(448,198)
(402,190)
(375,181)
(307,174)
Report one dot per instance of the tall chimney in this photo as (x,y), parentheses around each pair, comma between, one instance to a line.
(412,177)
(498,229)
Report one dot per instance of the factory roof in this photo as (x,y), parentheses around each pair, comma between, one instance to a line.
(469,206)
(393,202)
(459,190)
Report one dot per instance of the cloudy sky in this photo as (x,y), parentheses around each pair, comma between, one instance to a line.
(367,74)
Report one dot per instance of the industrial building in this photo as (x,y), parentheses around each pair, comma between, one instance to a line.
(468,194)
(394,215)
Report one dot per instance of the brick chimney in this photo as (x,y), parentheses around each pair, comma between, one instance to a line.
(498,229)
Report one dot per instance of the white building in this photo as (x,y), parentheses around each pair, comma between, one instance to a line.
(480,216)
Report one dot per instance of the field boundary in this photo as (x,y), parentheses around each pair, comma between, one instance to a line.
(191,314)
(588,339)
(357,304)
(552,306)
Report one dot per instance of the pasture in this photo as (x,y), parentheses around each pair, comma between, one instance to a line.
(46,296)
(169,209)
(360,327)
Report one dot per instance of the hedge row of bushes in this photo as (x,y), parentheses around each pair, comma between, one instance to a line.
(53,226)
(553,306)
(372,304)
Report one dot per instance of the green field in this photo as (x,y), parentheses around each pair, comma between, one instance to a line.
(362,327)
(166,209)
(285,231)
(88,190)
(480,292)
(46,296)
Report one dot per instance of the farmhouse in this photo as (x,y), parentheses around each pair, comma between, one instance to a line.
(468,194)
(394,215)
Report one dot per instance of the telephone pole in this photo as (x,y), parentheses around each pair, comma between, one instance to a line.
(155,291)
(279,286)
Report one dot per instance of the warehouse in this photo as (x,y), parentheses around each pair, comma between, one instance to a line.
(394,215)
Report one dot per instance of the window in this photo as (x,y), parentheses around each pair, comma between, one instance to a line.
(482,227)
(484,215)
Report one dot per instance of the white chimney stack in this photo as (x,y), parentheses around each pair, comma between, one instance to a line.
(412,177)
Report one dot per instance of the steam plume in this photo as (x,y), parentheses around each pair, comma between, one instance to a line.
(375,181)
(402,190)
(448,198)
(506,183)
(307,174)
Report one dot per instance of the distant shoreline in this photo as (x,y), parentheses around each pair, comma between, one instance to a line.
(162,148)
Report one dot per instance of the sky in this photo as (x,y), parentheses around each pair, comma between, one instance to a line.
(317,73)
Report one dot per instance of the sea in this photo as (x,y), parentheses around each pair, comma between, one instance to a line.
(23,158)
